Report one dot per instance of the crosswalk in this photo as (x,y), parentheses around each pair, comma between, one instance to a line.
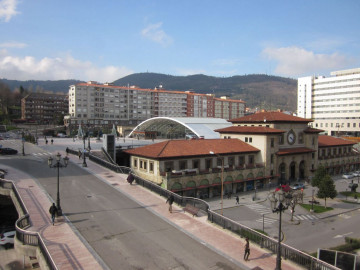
(305,217)
(259,208)
(266,220)
(41,154)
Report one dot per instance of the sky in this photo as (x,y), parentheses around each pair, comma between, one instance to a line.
(109,39)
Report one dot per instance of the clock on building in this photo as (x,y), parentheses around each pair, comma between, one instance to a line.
(291,137)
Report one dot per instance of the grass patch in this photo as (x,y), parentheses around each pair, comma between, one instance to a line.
(352,202)
(350,194)
(261,231)
(317,208)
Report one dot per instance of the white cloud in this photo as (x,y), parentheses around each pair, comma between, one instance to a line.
(295,61)
(155,33)
(13,44)
(8,9)
(29,68)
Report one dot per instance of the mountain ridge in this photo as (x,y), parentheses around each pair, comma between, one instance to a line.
(257,90)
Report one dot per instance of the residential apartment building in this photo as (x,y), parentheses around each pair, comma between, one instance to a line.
(44,108)
(259,150)
(332,102)
(105,104)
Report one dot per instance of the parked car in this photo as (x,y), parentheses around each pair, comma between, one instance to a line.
(7,239)
(348,175)
(298,186)
(356,174)
(8,151)
(285,188)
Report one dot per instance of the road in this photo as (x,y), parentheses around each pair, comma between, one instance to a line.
(121,231)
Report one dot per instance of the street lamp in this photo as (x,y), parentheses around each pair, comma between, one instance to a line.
(84,154)
(222,178)
(58,165)
(277,205)
(23,146)
(89,143)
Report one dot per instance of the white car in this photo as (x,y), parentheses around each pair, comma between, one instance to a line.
(7,239)
(356,174)
(348,175)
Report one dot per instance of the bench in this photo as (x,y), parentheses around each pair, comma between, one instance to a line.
(191,209)
(315,202)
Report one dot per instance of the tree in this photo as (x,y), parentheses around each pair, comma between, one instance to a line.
(327,188)
(319,176)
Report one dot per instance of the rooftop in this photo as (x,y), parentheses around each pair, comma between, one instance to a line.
(249,130)
(270,117)
(325,140)
(192,148)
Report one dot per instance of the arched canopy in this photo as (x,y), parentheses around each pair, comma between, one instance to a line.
(181,127)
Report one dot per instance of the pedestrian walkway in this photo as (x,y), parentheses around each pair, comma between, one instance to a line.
(64,245)
(305,217)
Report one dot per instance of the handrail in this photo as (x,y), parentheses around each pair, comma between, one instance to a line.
(22,223)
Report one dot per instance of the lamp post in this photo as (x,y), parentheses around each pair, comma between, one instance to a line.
(84,154)
(23,146)
(277,203)
(222,178)
(89,143)
(58,165)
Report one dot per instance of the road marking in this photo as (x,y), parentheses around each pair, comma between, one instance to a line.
(344,216)
(342,235)
(266,220)
(259,208)
(305,217)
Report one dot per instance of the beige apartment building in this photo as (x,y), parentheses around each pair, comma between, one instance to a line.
(333,103)
(95,105)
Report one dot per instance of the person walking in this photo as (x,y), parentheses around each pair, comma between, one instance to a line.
(237,199)
(53,211)
(79,154)
(170,200)
(67,151)
(247,249)
(52,141)
(130,178)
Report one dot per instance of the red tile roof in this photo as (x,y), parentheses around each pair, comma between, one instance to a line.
(325,141)
(249,130)
(188,148)
(270,117)
(313,130)
(294,151)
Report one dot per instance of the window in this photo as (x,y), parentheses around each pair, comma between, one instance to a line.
(135,162)
(196,163)
(272,142)
(281,139)
(272,159)
(208,163)
(169,166)
(301,137)
(219,162)
(182,164)
(231,161)
(246,139)
(250,139)
(251,159)
(241,160)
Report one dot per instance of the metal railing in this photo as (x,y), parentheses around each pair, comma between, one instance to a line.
(22,234)
(287,252)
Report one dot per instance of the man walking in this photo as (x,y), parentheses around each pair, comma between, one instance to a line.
(170,200)
(247,249)
(237,199)
(53,211)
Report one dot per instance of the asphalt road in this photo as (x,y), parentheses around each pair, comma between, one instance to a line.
(122,232)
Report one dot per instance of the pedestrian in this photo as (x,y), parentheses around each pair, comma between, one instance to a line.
(237,199)
(52,141)
(130,178)
(247,249)
(79,154)
(67,151)
(53,211)
(170,200)
(46,141)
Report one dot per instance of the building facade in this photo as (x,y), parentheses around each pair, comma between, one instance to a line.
(94,104)
(259,150)
(44,108)
(332,103)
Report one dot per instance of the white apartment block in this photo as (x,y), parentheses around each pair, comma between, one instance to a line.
(105,104)
(333,103)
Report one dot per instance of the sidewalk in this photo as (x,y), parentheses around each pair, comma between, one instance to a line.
(69,252)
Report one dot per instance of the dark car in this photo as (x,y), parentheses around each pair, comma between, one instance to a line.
(8,151)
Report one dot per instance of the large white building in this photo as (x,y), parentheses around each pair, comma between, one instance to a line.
(333,103)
